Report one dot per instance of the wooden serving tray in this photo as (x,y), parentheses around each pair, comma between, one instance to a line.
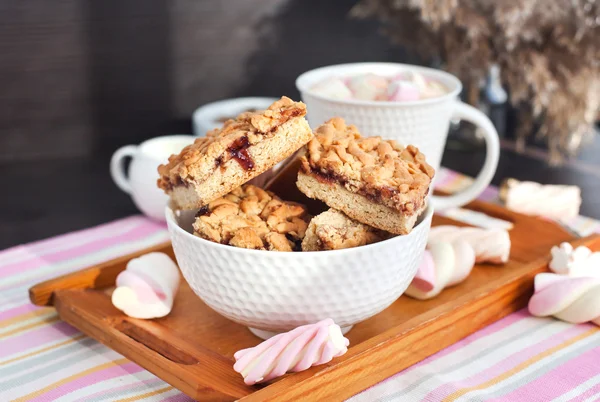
(193,347)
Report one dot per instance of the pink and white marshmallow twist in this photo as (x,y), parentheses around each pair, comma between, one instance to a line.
(147,287)
(444,264)
(490,245)
(574,299)
(293,351)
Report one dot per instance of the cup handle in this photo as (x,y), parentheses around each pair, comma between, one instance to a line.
(117,167)
(466,112)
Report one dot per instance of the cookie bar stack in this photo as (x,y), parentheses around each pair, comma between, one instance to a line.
(375,188)
(211,175)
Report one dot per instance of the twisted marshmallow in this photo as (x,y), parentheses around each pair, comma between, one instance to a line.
(297,350)
(147,287)
(444,265)
(553,201)
(572,299)
(490,245)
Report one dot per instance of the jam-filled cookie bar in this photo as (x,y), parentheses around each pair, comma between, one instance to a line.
(376,182)
(230,156)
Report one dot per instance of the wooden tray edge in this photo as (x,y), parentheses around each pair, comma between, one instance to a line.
(95,277)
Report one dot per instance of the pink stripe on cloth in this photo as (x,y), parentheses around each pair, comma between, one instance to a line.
(560,380)
(16,311)
(23,254)
(484,332)
(507,363)
(445,178)
(41,246)
(12,253)
(594,391)
(489,194)
(489,330)
(148,383)
(145,229)
(92,378)
(37,337)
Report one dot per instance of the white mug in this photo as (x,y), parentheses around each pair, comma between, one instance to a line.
(423,123)
(140,179)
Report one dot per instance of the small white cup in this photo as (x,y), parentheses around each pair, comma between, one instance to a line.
(423,123)
(140,180)
(212,115)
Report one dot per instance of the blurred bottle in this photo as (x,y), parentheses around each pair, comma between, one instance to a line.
(493,100)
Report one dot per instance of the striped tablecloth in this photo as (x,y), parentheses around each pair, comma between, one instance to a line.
(519,358)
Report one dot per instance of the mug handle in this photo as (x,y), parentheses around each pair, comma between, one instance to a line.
(117,167)
(467,112)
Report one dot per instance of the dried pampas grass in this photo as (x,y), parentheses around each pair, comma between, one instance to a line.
(548,50)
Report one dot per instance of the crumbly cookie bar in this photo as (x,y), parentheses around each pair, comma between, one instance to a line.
(230,156)
(376,182)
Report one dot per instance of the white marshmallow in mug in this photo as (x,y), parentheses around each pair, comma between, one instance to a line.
(403,91)
(426,87)
(333,87)
(433,89)
(367,86)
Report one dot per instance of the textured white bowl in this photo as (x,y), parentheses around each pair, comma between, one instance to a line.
(207,117)
(271,291)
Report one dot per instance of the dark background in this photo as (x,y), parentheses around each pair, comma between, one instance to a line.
(80,78)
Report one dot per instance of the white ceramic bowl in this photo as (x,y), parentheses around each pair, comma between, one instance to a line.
(208,117)
(271,291)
